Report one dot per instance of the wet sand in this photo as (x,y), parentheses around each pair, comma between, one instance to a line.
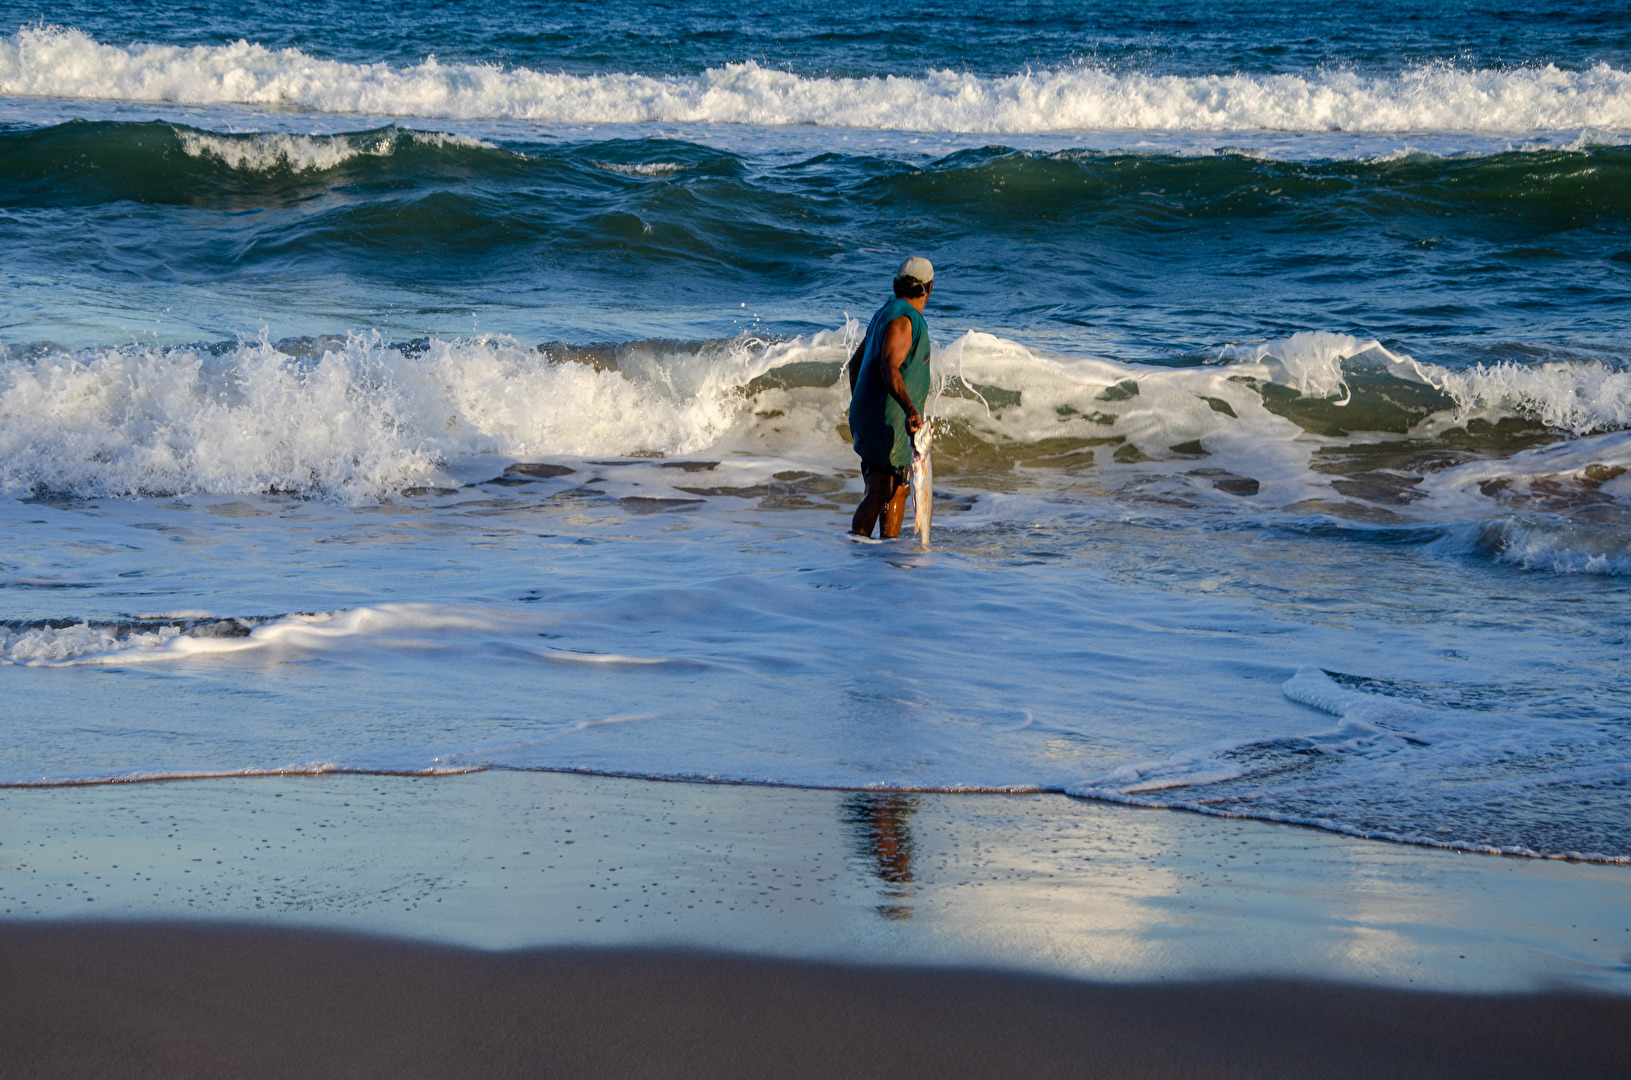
(1031,883)
(551,924)
(142,1000)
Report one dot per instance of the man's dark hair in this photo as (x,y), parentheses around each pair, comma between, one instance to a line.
(910,288)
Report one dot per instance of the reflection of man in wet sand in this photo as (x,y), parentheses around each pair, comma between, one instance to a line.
(883,834)
(889,380)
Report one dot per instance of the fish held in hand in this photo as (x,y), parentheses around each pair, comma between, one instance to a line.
(922,478)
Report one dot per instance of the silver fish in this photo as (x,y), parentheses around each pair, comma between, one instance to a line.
(922,482)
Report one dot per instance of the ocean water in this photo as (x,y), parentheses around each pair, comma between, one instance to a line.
(460,387)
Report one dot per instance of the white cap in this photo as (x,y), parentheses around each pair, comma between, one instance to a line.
(917,267)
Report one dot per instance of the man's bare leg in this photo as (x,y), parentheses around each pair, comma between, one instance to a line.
(894,512)
(879,500)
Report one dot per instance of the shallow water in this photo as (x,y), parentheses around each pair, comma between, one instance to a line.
(363,411)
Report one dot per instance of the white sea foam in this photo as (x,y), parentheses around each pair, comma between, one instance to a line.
(65,63)
(1311,362)
(310,768)
(1370,725)
(360,420)
(269,151)
(649,168)
(1574,396)
(1562,549)
(364,418)
(405,625)
(1577,397)
(1537,492)
(48,646)
(1392,769)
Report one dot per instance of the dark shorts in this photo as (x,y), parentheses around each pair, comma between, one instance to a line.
(871,468)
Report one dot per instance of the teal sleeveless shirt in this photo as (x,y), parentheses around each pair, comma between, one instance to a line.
(877,423)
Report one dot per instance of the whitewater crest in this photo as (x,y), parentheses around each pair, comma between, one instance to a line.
(66,63)
(64,643)
(274,151)
(358,419)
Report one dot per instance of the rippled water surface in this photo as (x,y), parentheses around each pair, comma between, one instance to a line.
(462,388)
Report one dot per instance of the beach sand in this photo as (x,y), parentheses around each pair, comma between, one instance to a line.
(505,922)
(168,1001)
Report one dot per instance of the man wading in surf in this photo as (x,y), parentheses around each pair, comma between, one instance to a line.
(888,381)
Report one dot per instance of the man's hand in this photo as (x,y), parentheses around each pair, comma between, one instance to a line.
(913,422)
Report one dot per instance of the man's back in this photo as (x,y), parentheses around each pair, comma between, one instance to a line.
(877,421)
(889,377)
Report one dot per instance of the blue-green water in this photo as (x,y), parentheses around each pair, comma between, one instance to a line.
(1267,344)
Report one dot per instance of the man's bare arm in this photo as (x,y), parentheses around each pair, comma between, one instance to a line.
(897,342)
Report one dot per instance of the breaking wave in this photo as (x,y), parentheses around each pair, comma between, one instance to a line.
(66,63)
(273,151)
(353,418)
(359,418)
